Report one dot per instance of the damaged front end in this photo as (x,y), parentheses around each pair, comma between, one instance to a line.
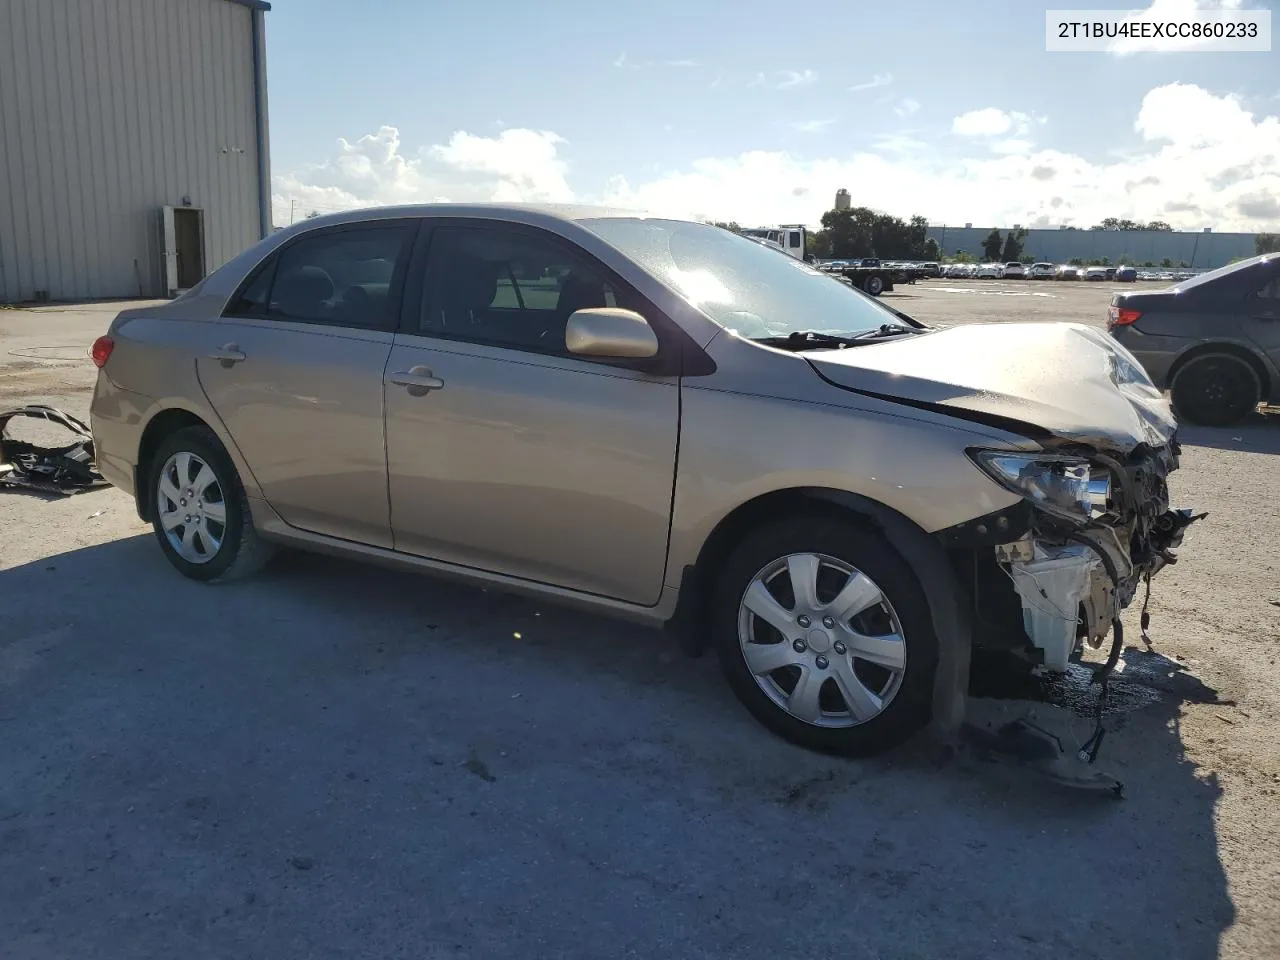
(1095,528)
(1100,528)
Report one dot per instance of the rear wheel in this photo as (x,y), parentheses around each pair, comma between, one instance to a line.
(200,512)
(823,633)
(1216,390)
(874,285)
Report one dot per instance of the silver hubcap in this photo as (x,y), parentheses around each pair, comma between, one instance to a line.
(191,508)
(821,640)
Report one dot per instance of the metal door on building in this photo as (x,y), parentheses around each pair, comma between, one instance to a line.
(181,248)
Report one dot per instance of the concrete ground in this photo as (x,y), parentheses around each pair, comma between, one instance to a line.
(331,760)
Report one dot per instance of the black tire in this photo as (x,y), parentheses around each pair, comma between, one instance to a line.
(1215,390)
(866,551)
(874,285)
(241,551)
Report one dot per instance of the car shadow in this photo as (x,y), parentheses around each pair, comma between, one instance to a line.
(1259,433)
(332,755)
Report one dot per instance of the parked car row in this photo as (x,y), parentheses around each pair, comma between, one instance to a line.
(1046,271)
(908,272)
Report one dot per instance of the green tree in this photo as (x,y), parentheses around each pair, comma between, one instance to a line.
(818,244)
(1266,243)
(992,245)
(1013,245)
(1026,258)
(863,232)
(312,215)
(1148,263)
(962,256)
(1076,262)
(1159,225)
(931,249)
(1166,262)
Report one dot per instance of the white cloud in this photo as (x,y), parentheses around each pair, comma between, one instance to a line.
(516,165)
(906,107)
(525,163)
(812,126)
(877,80)
(757,81)
(790,79)
(1204,160)
(987,122)
(1163,11)
(1012,145)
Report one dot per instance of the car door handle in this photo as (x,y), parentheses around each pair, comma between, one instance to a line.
(418,380)
(229,354)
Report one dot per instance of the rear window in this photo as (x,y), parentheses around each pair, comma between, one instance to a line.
(1212,275)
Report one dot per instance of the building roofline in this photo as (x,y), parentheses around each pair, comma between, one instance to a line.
(252,4)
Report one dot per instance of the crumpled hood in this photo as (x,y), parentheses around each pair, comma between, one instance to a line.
(1067,379)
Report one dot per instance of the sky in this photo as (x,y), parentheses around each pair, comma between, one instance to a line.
(759,111)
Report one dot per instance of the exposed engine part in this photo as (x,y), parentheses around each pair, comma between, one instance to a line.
(1021,549)
(1053,585)
(66,469)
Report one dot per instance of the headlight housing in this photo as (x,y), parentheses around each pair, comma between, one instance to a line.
(1061,485)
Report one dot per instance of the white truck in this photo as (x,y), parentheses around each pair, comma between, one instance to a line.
(790,238)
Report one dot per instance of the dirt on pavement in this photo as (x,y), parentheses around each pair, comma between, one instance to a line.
(331,760)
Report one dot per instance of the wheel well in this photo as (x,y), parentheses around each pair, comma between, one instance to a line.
(1229,349)
(162,425)
(689,620)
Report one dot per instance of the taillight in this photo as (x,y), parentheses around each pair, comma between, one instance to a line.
(101,351)
(1122,316)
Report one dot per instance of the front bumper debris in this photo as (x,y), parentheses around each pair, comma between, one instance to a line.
(64,470)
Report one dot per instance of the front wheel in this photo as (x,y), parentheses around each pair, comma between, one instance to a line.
(823,633)
(874,285)
(1215,390)
(200,511)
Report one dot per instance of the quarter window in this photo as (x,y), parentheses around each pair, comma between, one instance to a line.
(344,277)
(509,288)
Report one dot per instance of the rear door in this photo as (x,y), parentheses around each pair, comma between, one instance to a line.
(1261,320)
(507,453)
(294,370)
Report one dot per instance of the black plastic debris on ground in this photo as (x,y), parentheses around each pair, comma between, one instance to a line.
(63,470)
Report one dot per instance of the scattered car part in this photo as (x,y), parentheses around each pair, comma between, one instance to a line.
(65,469)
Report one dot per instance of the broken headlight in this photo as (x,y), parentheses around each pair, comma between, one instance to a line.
(1058,485)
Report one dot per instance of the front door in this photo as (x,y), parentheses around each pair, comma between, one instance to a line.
(294,370)
(505,452)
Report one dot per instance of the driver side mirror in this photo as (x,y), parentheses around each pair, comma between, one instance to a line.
(610,332)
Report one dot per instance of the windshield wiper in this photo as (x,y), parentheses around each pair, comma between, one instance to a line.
(809,339)
(888,330)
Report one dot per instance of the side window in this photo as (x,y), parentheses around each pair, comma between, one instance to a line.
(342,277)
(1271,291)
(509,289)
(253,299)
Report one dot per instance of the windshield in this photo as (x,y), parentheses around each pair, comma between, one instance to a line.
(744,286)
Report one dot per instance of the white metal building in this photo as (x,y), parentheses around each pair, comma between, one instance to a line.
(133,144)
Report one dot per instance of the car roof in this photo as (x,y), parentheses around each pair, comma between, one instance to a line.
(495,211)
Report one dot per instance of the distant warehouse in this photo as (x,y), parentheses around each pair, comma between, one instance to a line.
(133,144)
(1201,249)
